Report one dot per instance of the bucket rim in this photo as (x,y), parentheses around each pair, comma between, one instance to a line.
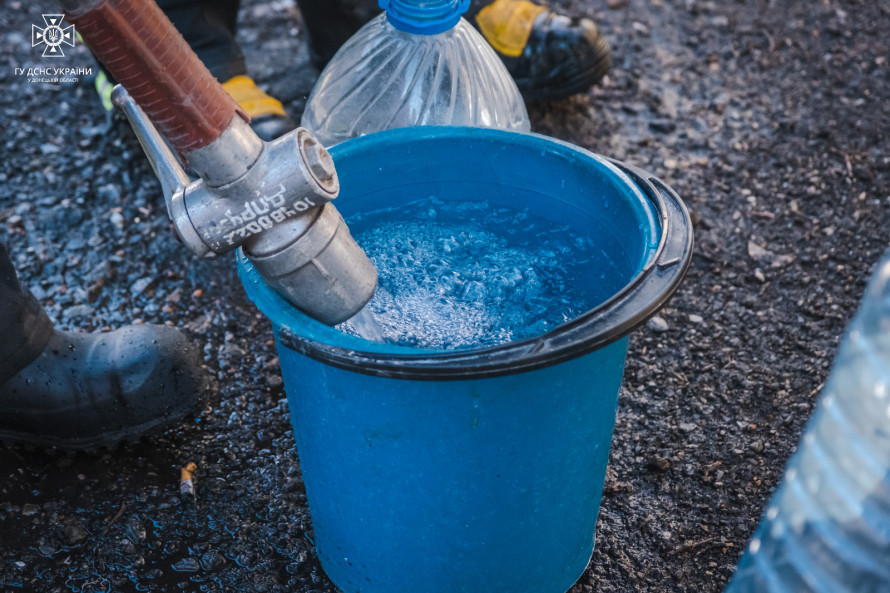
(611,320)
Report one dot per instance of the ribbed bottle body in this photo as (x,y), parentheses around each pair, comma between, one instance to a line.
(386,78)
(827,527)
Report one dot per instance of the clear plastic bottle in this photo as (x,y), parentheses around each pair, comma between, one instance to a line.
(419,63)
(827,528)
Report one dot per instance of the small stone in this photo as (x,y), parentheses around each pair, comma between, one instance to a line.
(782,260)
(93,291)
(658,464)
(757,446)
(49,148)
(231,352)
(134,529)
(77,311)
(246,559)
(211,560)
(759,276)
(117,219)
(663,126)
(76,243)
(200,324)
(764,256)
(109,192)
(92,131)
(142,285)
(29,509)
(640,27)
(658,324)
(693,318)
(74,534)
(153,573)
(757,252)
(187,565)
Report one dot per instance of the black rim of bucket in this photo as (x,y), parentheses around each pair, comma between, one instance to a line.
(610,321)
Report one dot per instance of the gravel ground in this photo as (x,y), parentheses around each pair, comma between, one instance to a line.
(768,117)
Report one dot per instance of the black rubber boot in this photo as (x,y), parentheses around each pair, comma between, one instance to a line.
(86,391)
(549,55)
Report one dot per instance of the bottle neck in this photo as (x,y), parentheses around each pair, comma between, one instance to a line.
(424,17)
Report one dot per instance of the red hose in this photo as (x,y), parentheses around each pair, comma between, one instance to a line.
(142,49)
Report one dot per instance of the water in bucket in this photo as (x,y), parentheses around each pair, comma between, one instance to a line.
(462,274)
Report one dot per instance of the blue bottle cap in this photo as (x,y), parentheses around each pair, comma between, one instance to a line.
(425,17)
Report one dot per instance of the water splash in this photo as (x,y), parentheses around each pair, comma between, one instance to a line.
(460,275)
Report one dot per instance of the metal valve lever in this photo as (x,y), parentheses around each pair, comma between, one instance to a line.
(271,199)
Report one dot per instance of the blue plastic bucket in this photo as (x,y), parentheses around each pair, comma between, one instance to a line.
(473,470)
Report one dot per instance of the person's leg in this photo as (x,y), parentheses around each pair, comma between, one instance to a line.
(23,324)
(83,391)
(329,23)
(209,27)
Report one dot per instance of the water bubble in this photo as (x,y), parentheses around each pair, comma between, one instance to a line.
(473,291)
(754,547)
(477,275)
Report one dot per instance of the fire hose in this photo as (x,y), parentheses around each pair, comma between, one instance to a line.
(272,199)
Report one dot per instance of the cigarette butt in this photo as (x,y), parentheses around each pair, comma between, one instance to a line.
(186,479)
